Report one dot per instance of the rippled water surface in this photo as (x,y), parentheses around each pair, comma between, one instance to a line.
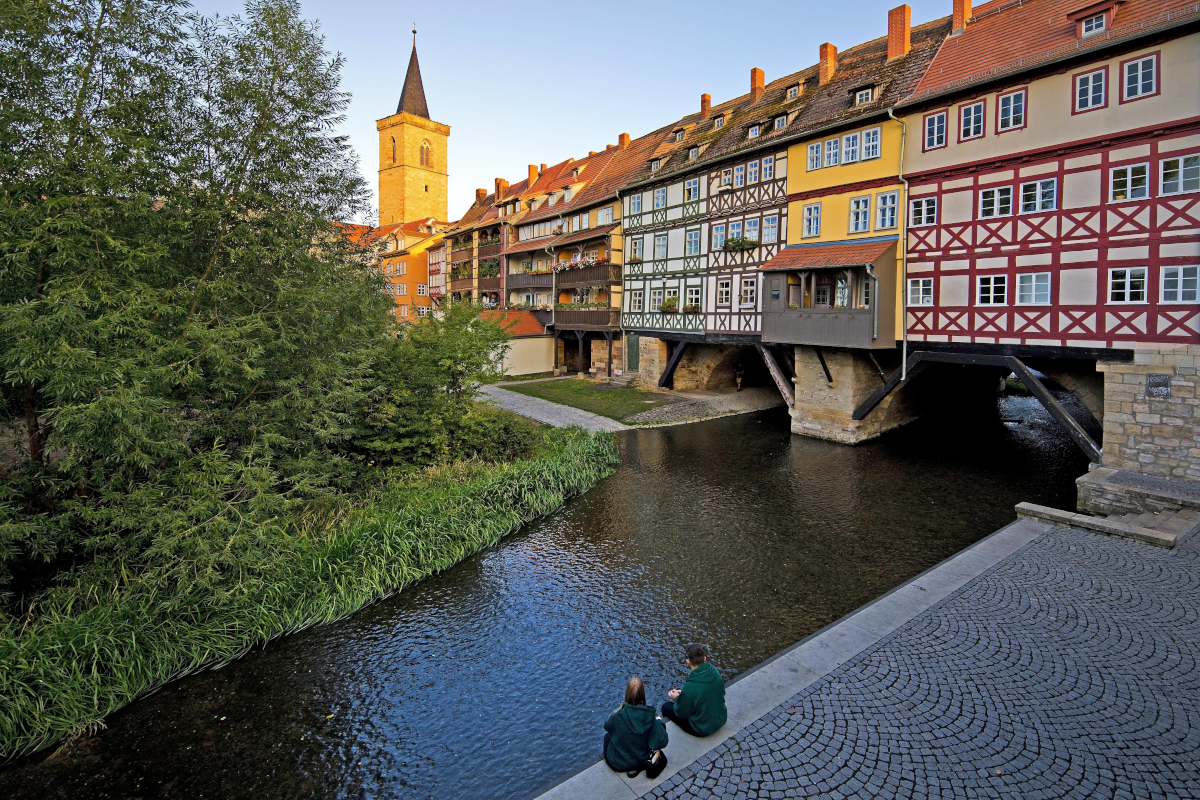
(493,679)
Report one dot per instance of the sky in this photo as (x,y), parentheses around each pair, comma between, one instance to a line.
(538,82)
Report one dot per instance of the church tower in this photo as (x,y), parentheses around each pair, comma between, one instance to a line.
(412,156)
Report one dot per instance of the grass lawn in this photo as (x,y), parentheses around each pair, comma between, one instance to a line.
(598,398)
(533,376)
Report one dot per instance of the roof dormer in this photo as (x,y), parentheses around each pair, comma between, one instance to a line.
(1095,18)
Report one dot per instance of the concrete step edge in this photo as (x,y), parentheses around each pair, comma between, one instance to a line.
(1105,525)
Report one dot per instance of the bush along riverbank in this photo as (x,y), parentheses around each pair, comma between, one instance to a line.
(84,654)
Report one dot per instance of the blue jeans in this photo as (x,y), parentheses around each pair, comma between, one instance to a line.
(668,711)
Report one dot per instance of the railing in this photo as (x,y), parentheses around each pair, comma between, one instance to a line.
(595,275)
(490,249)
(522,280)
(459,284)
(833,327)
(490,283)
(543,316)
(588,319)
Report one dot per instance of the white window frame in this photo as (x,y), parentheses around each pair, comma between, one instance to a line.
(793,92)
(635,203)
(604,216)
(992,281)
(832,152)
(638,247)
(655,164)
(660,198)
(719,122)
(1128,170)
(1013,111)
(718,237)
(724,291)
(860,214)
(753,132)
(927,217)
(920,292)
(660,239)
(752,172)
(998,195)
(1138,63)
(635,300)
(1085,89)
(691,242)
(693,153)
(978,114)
(780,123)
(815,156)
(1039,189)
(735,229)
(887,206)
(1093,24)
(770,228)
(749,289)
(691,189)
(422,290)
(768,168)
(1182,168)
(850,148)
(752,226)
(871,138)
(678,136)
(739,176)
(812,221)
(1182,275)
(863,96)
(935,130)
(1030,285)
(656,299)
(692,295)
(1127,275)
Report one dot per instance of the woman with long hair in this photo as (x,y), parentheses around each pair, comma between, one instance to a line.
(635,735)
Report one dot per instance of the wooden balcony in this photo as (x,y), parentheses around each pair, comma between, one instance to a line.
(529,280)
(588,319)
(542,316)
(488,250)
(460,284)
(490,284)
(832,327)
(595,275)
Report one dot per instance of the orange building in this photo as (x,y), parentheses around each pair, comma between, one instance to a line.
(403,258)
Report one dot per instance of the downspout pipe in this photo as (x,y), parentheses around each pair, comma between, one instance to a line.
(621,307)
(874,302)
(903,250)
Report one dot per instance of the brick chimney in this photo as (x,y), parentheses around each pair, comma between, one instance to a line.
(609,146)
(501,189)
(705,105)
(480,196)
(829,62)
(623,141)
(591,153)
(533,172)
(757,84)
(542,168)
(962,13)
(899,31)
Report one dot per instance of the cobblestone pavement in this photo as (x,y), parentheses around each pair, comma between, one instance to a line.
(555,414)
(709,406)
(1068,670)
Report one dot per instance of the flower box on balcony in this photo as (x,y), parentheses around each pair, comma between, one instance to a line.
(736,244)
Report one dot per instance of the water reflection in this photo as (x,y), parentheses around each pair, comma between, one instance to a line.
(492,679)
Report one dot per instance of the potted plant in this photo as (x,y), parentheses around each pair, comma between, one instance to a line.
(694,308)
(634,260)
(736,244)
(793,305)
(669,305)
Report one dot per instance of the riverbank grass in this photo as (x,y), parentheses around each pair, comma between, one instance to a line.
(614,402)
(82,655)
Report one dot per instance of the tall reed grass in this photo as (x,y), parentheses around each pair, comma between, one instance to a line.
(66,668)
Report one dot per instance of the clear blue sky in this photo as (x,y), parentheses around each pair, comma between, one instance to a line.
(537,82)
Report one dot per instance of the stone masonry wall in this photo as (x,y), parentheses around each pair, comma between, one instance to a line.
(823,410)
(1153,435)
(600,356)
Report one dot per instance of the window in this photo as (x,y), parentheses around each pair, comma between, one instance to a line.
(678,136)
(993,290)
(1127,285)
(693,296)
(850,148)
(638,245)
(1140,78)
(660,246)
(422,290)
(814,156)
(749,291)
(752,229)
(768,168)
(831,153)
(870,143)
(770,229)
(971,117)
(1012,111)
(752,172)
(1039,196)
(426,154)
(635,300)
(604,216)
(780,122)
(635,204)
(1033,289)
(924,212)
(1181,174)
(691,189)
(935,130)
(1179,284)
(393,149)
(739,176)
(860,214)
(995,202)
(404,311)
(735,230)
(724,290)
(575,222)
(1130,183)
(423,311)
(656,298)
(718,234)
(727,177)
(885,213)
(655,164)
(719,122)
(1093,24)
(1089,90)
(695,151)
(863,96)
(403,290)
(692,243)
(812,220)
(660,197)
(753,131)
(920,291)
(793,92)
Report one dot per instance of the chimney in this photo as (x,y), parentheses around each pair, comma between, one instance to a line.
(705,104)
(623,141)
(533,172)
(757,85)
(501,188)
(829,62)
(962,13)
(542,168)
(480,196)
(899,31)
(591,153)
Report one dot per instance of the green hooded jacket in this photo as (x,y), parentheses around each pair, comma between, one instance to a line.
(634,733)
(702,700)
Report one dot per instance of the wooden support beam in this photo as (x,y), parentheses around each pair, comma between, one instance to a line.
(781,380)
(879,369)
(579,336)
(1073,428)
(877,396)
(608,335)
(672,363)
(824,366)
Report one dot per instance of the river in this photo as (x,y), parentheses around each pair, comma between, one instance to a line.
(492,679)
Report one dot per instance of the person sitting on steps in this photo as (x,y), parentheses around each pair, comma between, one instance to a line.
(634,735)
(699,707)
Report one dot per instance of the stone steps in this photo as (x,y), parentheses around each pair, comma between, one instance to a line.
(1164,528)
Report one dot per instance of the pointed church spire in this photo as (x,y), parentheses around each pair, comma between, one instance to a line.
(412,96)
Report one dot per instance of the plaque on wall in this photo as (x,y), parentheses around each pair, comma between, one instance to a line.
(1158,385)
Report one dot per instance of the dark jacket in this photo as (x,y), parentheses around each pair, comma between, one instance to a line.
(634,733)
(702,700)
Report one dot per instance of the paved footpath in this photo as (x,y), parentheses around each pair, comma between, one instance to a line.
(555,414)
(1040,663)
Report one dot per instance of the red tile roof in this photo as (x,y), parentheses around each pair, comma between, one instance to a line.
(516,323)
(1006,36)
(828,255)
(529,245)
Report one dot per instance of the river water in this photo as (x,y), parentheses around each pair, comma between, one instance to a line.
(493,679)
